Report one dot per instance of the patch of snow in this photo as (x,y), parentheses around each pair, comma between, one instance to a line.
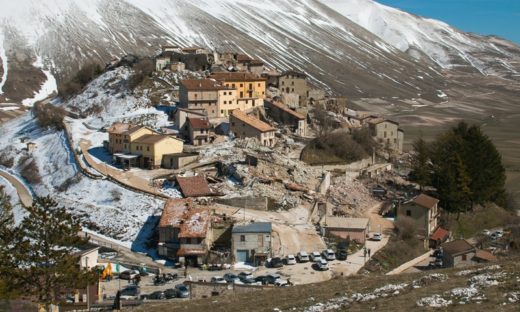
(49,86)
(5,69)
(244,266)
(435,301)
(8,108)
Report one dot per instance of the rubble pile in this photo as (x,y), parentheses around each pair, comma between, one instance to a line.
(349,196)
(250,169)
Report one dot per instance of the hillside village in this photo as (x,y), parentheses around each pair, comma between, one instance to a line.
(252,192)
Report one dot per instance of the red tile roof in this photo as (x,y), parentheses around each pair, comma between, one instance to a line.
(485,255)
(182,214)
(286,109)
(202,85)
(199,123)
(425,201)
(440,234)
(457,247)
(251,121)
(195,186)
(236,76)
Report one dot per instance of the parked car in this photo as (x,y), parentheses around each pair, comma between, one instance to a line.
(242,275)
(230,277)
(218,280)
(377,237)
(263,279)
(131,292)
(341,254)
(128,275)
(499,233)
(170,293)
(157,295)
(272,278)
(302,257)
(275,262)
(290,260)
(328,255)
(437,263)
(486,232)
(182,291)
(321,265)
(437,254)
(493,236)
(315,256)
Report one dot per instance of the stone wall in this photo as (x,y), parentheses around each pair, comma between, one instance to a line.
(257,203)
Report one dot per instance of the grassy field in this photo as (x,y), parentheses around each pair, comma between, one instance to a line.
(332,293)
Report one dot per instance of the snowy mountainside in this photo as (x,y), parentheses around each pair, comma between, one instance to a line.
(112,210)
(300,34)
(422,37)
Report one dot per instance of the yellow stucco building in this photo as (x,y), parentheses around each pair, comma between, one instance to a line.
(250,90)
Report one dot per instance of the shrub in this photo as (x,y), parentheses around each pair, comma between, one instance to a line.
(49,116)
(6,160)
(143,68)
(69,182)
(406,229)
(364,138)
(116,195)
(85,74)
(29,170)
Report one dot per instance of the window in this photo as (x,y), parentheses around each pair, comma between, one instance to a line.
(233,86)
(222,111)
(292,90)
(196,95)
(241,85)
(125,145)
(292,83)
(385,134)
(283,82)
(464,258)
(408,213)
(250,86)
(242,238)
(241,94)
(225,102)
(148,148)
(395,141)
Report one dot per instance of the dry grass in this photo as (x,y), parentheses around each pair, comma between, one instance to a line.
(298,298)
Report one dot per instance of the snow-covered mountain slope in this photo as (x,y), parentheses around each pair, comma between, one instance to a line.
(301,34)
(421,37)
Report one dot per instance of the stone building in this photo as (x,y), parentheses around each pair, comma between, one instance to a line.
(245,126)
(250,89)
(184,232)
(196,94)
(294,82)
(251,243)
(200,131)
(424,211)
(284,115)
(354,228)
(387,133)
(457,253)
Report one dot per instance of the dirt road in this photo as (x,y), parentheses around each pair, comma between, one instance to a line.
(24,193)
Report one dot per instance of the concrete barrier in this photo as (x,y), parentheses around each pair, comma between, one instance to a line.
(409,264)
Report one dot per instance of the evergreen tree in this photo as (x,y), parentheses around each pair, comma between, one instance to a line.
(7,234)
(43,253)
(467,168)
(420,163)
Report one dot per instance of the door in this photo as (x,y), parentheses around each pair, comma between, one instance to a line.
(242,255)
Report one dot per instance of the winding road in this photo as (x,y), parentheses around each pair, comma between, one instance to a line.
(24,193)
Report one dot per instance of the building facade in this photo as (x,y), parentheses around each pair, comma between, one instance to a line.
(251,243)
(387,133)
(184,232)
(150,149)
(200,131)
(201,94)
(294,82)
(250,89)
(457,253)
(354,228)
(245,126)
(284,115)
(424,211)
